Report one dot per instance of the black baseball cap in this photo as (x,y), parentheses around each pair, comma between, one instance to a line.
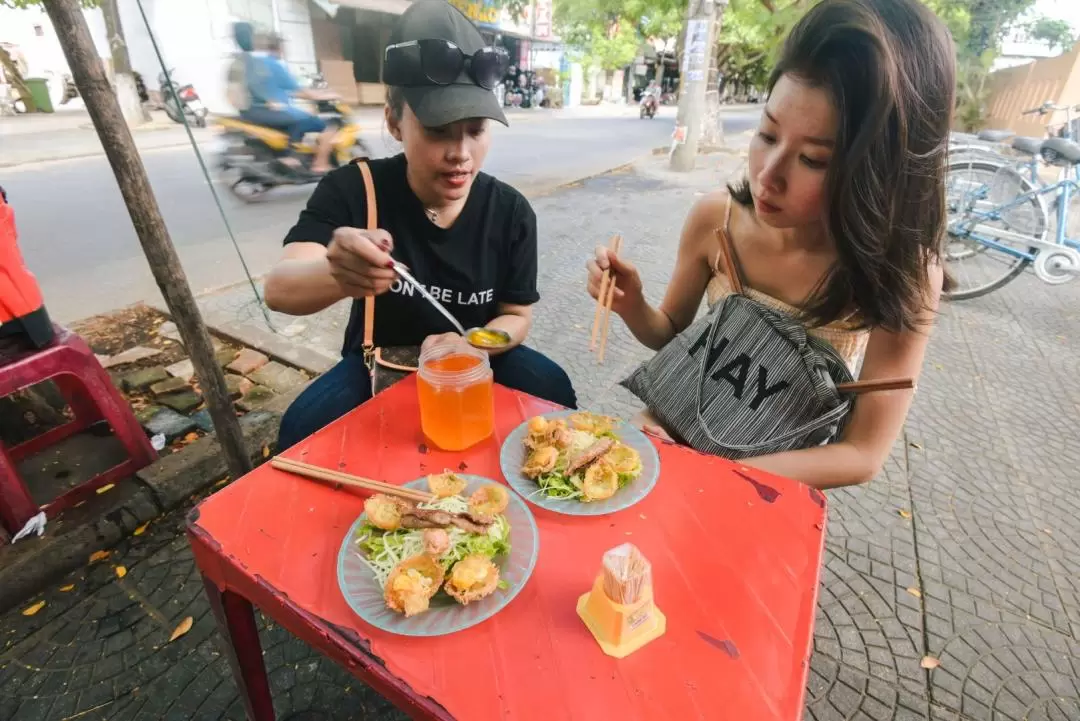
(438,105)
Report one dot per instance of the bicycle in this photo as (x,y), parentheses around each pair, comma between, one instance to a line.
(1002,219)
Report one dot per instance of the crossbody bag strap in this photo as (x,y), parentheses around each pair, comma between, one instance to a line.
(726,259)
(372,224)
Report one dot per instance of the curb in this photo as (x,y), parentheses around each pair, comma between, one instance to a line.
(169,483)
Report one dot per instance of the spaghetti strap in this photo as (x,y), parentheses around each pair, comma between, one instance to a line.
(726,255)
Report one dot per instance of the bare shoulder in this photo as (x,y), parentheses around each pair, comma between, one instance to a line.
(705,217)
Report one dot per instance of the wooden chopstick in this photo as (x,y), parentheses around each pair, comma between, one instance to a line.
(616,247)
(605,279)
(325,474)
(885,384)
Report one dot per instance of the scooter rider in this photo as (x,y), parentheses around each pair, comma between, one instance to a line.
(265,99)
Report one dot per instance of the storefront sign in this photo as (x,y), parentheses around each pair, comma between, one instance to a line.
(542,28)
(483,12)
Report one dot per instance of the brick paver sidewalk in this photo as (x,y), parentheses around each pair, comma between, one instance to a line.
(965,550)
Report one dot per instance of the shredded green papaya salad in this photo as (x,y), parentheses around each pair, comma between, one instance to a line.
(450,543)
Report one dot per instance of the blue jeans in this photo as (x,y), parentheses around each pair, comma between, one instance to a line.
(294,121)
(347,385)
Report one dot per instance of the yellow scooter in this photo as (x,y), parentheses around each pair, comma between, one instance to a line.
(252,150)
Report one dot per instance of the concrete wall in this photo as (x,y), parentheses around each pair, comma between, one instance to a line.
(1021,88)
(194,36)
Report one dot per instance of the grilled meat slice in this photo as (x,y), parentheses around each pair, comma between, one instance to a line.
(589,455)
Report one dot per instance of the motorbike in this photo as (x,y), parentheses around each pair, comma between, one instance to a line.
(180,100)
(251,151)
(648,106)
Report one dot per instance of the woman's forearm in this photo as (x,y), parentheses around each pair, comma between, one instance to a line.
(833,466)
(650,326)
(301,286)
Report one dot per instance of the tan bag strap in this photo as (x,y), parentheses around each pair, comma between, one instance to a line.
(372,224)
(727,256)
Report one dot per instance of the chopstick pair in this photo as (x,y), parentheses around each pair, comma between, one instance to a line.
(319,473)
(604,299)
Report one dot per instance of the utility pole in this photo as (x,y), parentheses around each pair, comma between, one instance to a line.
(127,93)
(699,39)
(101,102)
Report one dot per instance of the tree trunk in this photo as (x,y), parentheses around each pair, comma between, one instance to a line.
(126,91)
(142,206)
(11,71)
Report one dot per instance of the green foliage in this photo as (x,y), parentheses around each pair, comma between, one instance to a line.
(610,33)
(1054,33)
(20,4)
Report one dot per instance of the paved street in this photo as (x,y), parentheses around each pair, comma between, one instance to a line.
(76,236)
(965,550)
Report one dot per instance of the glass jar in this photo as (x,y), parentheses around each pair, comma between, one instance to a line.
(457,396)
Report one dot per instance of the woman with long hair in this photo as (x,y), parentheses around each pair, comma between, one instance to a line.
(839,221)
(469,238)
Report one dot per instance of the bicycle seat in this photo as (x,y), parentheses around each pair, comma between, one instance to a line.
(1028,145)
(1060,151)
(995,136)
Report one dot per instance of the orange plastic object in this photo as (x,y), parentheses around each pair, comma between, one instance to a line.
(456,396)
(22,308)
(621,629)
(736,557)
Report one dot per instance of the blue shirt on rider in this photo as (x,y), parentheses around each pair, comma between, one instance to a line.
(270,82)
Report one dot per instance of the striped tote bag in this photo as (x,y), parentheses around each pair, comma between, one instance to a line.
(743,381)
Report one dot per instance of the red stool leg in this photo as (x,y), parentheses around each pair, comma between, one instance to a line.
(116,411)
(82,405)
(16,505)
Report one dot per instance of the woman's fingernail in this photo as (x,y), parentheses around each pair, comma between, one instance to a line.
(390,264)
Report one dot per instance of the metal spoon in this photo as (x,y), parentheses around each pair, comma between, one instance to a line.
(407,277)
(495,338)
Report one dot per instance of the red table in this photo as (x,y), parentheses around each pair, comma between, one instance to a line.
(736,556)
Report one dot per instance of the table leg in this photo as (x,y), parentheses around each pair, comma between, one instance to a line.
(236,621)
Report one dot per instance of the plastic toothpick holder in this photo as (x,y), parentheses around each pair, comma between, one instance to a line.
(625,623)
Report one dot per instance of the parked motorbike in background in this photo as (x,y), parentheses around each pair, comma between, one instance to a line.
(180,100)
(249,151)
(649,104)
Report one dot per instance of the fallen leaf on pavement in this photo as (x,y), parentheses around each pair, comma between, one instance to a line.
(69,587)
(140,530)
(222,482)
(916,446)
(183,628)
(915,592)
(98,556)
(929,663)
(904,514)
(106,488)
(121,571)
(193,436)
(31,610)
(266,451)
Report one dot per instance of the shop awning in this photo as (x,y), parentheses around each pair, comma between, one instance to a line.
(393,7)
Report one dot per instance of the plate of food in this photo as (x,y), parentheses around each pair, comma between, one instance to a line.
(429,569)
(580,463)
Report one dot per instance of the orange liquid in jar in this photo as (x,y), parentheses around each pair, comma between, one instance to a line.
(456,414)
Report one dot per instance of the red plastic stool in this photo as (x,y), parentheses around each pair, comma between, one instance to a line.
(70,363)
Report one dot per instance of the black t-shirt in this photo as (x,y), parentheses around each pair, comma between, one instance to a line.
(487,257)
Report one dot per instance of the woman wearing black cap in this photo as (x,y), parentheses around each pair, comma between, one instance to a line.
(469,238)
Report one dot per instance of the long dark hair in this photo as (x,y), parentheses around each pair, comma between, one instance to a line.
(889,66)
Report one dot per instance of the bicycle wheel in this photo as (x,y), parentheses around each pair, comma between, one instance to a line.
(975,188)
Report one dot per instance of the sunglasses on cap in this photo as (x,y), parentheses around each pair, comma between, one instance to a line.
(440,62)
